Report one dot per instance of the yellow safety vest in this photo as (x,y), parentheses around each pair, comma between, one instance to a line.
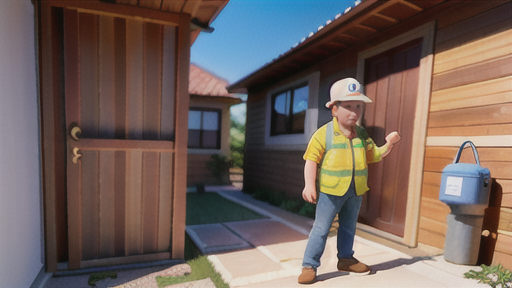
(344,159)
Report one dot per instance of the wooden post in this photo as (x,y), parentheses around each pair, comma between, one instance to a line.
(181,139)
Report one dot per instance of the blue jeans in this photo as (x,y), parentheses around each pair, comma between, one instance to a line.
(347,208)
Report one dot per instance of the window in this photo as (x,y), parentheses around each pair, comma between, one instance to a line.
(291,113)
(289,110)
(204,128)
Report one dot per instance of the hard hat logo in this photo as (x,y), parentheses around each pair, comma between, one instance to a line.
(347,89)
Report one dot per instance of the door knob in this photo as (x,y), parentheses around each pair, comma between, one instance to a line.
(75,133)
(76,155)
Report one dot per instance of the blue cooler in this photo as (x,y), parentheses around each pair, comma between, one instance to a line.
(465,188)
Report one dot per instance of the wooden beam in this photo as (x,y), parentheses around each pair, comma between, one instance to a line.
(387,18)
(335,45)
(125,260)
(124,145)
(409,4)
(348,36)
(180,160)
(191,7)
(48,151)
(117,10)
(72,88)
(368,28)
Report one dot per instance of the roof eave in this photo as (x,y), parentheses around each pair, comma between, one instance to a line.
(229,99)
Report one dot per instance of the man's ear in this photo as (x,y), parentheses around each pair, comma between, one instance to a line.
(334,109)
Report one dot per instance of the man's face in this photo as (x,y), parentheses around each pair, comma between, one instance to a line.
(348,112)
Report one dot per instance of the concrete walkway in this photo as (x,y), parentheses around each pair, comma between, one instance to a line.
(268,253)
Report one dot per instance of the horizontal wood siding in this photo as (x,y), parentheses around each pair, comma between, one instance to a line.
(281,171)
(433,212)
(255,124)
(278,170)
(472,96)
(198,172)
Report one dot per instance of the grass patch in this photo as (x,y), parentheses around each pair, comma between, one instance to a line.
(201,269)
(211,208)
(100,276)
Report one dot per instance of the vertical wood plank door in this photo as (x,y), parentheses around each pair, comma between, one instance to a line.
(119,105)
(392,83)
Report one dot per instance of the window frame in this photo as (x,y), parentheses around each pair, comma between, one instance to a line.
(289,123)
(201,130)
(296,141)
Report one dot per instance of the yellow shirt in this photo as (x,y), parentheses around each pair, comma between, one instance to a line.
(346,159)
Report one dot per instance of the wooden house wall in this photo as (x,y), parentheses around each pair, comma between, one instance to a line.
(197,171)
(278,170)
(472,97)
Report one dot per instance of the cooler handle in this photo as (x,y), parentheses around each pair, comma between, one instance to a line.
(457,157)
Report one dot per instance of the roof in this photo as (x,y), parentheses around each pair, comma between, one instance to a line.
(203,83)
(360,23)
(202,12)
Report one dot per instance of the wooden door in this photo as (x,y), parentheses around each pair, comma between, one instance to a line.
(392,83)
(119,97)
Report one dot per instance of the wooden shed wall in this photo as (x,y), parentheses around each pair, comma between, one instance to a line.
(471,97)
(53,132)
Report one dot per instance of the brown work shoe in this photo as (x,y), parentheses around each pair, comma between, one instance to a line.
(352,265)
(308,275)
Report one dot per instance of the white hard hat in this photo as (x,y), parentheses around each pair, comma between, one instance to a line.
(347,89)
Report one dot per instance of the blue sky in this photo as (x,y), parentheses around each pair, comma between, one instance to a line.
(249,33)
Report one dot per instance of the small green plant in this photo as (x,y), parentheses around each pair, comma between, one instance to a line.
(279,199)
(274,198)
(494,276)
(292,205)
(100,276)
(219,165)
(237,143)
(308,210)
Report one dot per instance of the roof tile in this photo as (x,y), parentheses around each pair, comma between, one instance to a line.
(204,83)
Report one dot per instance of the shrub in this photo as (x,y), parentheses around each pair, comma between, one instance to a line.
(219,165)
(276,198)
(494,276)
(292,205)
(279,199)
(308,210)
(261,194)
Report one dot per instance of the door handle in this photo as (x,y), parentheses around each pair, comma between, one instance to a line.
(75,132)
(76,155)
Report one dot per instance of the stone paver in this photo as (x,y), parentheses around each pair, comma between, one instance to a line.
(211,238)
(205,283)
(262,232)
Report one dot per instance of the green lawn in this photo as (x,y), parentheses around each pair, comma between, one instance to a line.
(210,208)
